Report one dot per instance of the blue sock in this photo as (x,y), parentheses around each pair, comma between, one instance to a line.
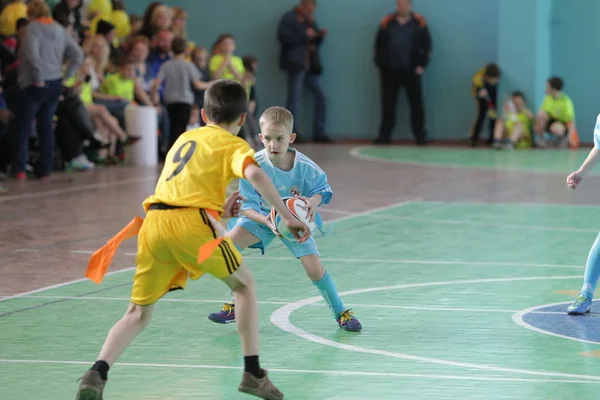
(592,270)
(329,292)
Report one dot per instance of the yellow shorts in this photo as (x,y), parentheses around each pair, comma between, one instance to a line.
(168,245)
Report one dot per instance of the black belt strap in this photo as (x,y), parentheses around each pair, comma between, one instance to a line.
(162,206)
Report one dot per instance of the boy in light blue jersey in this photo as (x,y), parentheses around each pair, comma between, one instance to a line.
(583,302)
(294,175)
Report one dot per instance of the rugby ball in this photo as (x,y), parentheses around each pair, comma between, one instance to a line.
(296,207)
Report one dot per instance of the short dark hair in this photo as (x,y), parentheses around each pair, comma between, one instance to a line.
(492,71)
(225,101)
(518,93)
(62,20)
(105,27)
(556,83)
(249,61)
(178,45)
(22,22)
(221,38)
(118,5)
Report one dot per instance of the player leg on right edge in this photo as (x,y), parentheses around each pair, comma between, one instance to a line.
(583,302)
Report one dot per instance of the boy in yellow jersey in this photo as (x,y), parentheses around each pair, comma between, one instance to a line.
(514,129)
(557,114)
(182,218)
(484,88)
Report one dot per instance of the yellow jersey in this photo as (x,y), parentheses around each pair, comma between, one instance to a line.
(116,85)
(477,81)
(236,63)
(560,108)
(199,168)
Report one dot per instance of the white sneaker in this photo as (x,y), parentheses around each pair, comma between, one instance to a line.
(81,163)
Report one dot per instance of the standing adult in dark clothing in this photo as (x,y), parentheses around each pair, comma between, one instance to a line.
(40,76)
(71,11)
(300,39)
(402,51)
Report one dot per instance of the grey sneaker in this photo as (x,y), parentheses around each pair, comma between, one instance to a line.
(91,386)
(262,387)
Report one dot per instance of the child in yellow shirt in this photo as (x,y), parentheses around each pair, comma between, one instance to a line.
(223,64)
(514,128)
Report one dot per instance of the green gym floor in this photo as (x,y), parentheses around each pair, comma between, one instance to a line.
(458,262)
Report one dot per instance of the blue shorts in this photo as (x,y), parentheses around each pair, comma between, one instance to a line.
(265,236)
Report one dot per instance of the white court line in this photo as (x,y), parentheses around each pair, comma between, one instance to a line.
(496,225)
(81,252)
(25,251)
(42,289)
(281,319)
(518,319)
(475,223)
(516,204)
(421,262)
(336,211)
(424,262)
(447,204)
(444,205)
(59,285)
(199,301)
(432,308)
(306,371)
(73,189)
(355,152)
(163,300)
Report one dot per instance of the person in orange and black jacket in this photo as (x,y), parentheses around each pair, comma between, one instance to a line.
(402,52)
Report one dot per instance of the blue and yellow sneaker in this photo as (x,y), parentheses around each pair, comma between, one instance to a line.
(225,316)
(348,322)
(580,306)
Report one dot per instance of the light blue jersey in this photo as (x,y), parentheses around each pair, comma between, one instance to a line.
(597,133)
(304,179)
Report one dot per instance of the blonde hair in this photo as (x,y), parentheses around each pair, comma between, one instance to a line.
(179,13)
(38,9)
(278,116)
(162,9)
(100,64)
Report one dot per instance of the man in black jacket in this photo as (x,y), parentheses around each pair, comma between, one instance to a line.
(300,39)
(402,51)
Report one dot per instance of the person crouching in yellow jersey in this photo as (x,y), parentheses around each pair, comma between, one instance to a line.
(484,88)
(556,116)
(514,128)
